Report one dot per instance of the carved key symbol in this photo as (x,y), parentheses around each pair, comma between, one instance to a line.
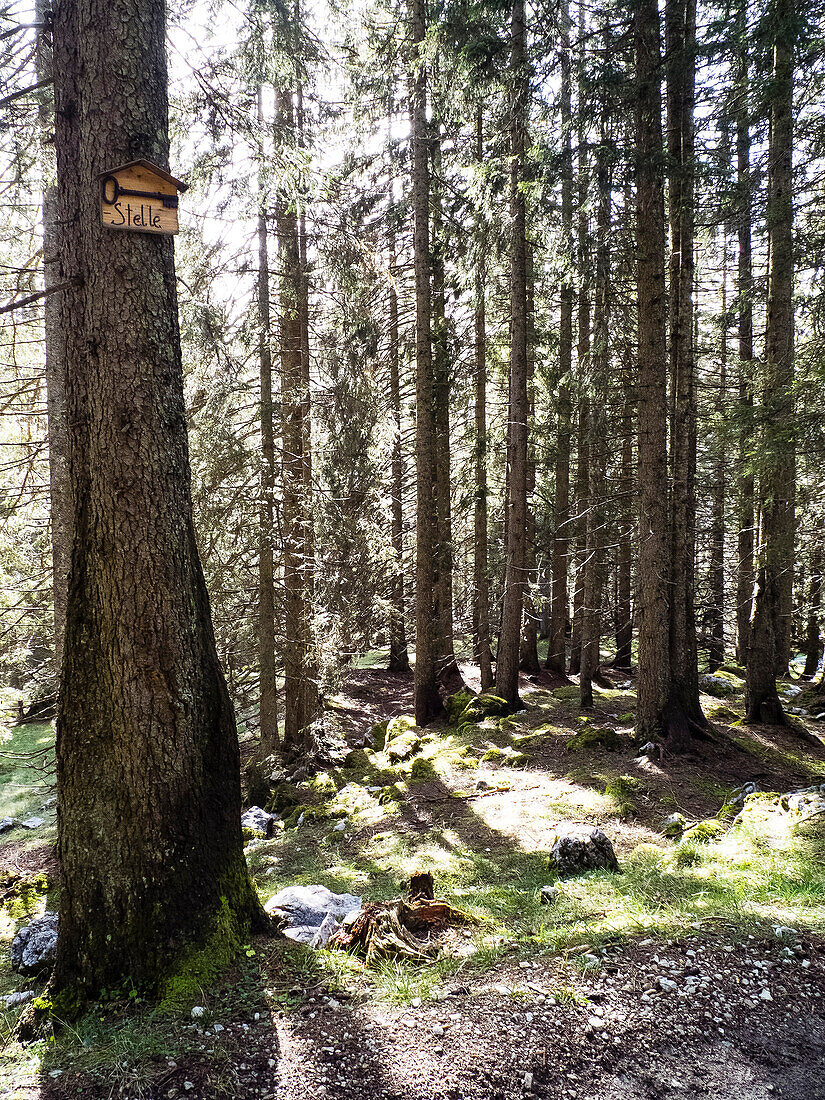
(112,192)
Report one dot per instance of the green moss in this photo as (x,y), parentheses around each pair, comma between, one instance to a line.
(283,797)
(455,705)
(378,732)
(390,794)
(200,966)
(623,789)
(705,832)
(422,771)
(629,717)
(323,785)
(403,746)
(252,834)
(484,706)
(721,713)
(311,815)
(356,760)
(594,737)
(569,693)
(399,725)
(733,670)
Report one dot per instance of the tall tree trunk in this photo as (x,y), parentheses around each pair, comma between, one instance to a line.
(515,576)
(529,653)
(557,645)
(148,774)
(594,543)
(746,521)
(716,579)
(449,675)
(427,699)
(266,552)
(685,709)
(652,600)
(399,658)
(769,648)
(624,550)
(481,584)
(300,684)
(60,491)
(813,645)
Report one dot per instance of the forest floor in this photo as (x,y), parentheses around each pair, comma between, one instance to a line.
(699,970)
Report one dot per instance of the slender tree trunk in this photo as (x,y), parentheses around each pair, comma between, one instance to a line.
(515,576)
(300,685)
(716,579)
(399,658)
(60,498)
(529,654)
(594,546)
(481,584)
(557,645)
(769,647)
(746,520)
(266,552)
(684,709)
(813,645)
(624,551)
(449,675)
(148,772)
(652,598)
(427,699)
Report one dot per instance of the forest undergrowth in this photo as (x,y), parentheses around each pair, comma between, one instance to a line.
(477,806)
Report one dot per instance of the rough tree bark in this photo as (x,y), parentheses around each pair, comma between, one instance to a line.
(684,711)
(716,570)
(399,658)
(652,600)
(60,491)
(507,661)
(529,653)
(769,647)
(148,773)
(300,673)
(481,584)
(813,645)
(427,698)
(557,644)
(266,552)
(746,486)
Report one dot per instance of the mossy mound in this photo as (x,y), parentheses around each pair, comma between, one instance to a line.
(422,771)
(393,793)
(403,747)
(323,785)
(721,713)
(758,808)
(510,757)
(356,759)
(732,670)
(378,733)
(718,685)
(283,798)
(456,704)
(705,832)
(595,737)
(568,693)
(484,706)
(398,725)
(311,815)
(623,789)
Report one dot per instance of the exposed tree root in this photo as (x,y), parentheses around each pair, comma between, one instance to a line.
(399,929)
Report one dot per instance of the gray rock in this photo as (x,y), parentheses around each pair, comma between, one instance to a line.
(580,848)
(673,825)
(324,932)
(6,823)
(34,947)
(549,895)
(11,1000)
(259,820)
(717,686)
(305,907)
(33,822)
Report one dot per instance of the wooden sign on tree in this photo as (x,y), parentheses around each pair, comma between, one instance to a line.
(140,197)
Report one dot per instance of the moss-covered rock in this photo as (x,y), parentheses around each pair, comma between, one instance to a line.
(398,725)
(393,793)
(456,704)
(283,798)
(356,759)
(403,746)
(378,733)
(721,713)
(422,771)
(311,815)
(595,737)
(484,706)
(733,670)
(705,832)
(493,755)
(568,693)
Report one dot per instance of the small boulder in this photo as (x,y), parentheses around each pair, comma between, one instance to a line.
(307,907)
(580,848)
(259,820)
(595,737)
(6,823)
(673,825)
(549,895)
(34,948)
(403,746)
(720,687)
(33,822)
(484,706)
